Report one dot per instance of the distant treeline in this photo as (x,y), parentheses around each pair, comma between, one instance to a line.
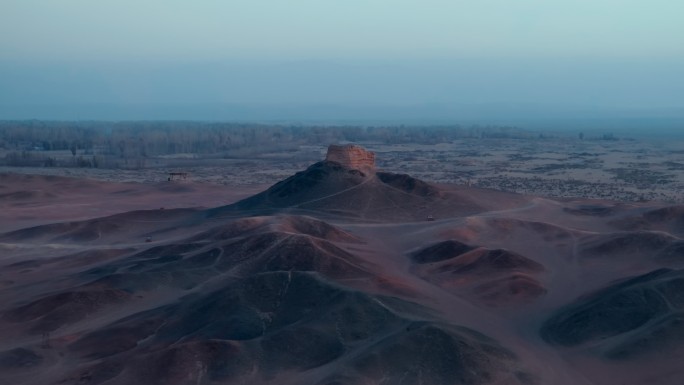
(130,144)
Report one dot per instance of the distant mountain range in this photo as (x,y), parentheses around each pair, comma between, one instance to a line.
(523,115)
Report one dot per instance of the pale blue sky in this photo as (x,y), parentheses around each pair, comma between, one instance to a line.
(585,54)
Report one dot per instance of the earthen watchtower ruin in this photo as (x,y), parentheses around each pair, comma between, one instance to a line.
(351,156)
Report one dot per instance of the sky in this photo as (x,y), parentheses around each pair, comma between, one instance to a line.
(353,59)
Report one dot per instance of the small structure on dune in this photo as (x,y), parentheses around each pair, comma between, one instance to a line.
(351,156)
(177,176)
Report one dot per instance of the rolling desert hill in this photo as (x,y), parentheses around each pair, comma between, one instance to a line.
(336,276)
(329,188)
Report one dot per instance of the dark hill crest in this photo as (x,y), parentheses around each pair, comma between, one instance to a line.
(335,188)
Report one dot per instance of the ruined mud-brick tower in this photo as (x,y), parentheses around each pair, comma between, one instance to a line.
(351,156)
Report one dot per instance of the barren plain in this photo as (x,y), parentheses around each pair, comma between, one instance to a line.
(622,169)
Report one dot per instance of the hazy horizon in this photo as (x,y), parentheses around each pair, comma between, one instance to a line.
(440,61)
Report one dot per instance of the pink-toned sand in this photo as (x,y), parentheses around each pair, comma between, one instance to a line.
(98,284)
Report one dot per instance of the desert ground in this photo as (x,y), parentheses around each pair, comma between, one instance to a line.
(625,169)
(313,273)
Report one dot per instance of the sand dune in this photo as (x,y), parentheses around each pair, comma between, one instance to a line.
(495,277)
(628,319)
(131,225)
(334,276)
(668,219)
(328,188)
(263,328)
